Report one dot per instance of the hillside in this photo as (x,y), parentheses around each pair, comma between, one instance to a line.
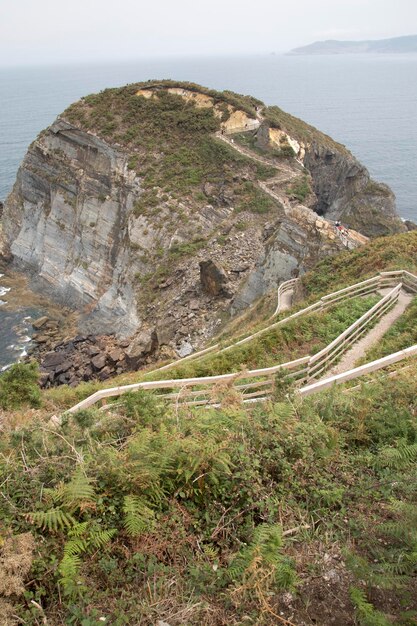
(395,45)
(160,209)
(292,511)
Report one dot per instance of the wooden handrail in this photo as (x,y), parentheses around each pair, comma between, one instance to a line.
(366,316)
(311,362)
(368,368)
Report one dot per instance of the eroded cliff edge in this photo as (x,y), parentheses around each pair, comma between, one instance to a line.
(122,200)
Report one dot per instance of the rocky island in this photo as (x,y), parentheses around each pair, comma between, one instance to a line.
(160,209)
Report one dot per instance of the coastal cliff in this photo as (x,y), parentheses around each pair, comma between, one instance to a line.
(120,204)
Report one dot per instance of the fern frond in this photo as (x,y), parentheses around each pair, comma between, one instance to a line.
(265,552)
(74,547)
(366,612)
(98,537)
(138,516)
(79,529)
(78,491)
(68,570)
(52,520)
(402,456)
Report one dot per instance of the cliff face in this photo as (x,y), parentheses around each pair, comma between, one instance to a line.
(343,186)
(346,192)
(67,224)
(120,204)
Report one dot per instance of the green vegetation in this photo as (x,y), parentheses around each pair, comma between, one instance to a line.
(179,250)
(374,188)
(297,338)
(181,515)
(253,199)
(298,510)
(402,334)
(170,139)
(300,188)
(19,386)
(301,131)
(384,254)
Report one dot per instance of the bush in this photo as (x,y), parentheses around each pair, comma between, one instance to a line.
(19,386)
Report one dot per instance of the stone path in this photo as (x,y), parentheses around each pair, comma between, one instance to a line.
(359,349)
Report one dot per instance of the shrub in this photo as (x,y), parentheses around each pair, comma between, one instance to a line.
(19,386)
(299,189)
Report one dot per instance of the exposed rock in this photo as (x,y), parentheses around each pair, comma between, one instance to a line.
(99,361)
(165,332)
(53,359)
(213,278)
(115,355)
(346,192)
(143,344)
(130,260)
(63,367)
(67,222)
(185,349)
(410,225)
(37,324)
(294,247)
(105,373)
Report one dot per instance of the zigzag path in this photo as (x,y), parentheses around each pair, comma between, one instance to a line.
(287,173)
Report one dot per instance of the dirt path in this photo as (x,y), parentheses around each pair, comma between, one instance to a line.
(359,349)
(287,173)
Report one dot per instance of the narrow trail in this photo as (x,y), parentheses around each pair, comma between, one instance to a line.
(286,174)
(282,167)
(360,348)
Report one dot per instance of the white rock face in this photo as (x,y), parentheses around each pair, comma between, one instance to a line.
(67,221)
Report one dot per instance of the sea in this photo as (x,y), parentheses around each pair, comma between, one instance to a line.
(366,102)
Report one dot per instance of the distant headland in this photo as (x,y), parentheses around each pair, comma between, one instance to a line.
(394,45)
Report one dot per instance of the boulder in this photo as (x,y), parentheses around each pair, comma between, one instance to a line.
(93,350)
(185,349)
(52,359)
(115,355)
(213,279)
(143,344)
(41,321)
(165,333)
(99,361)
(63,367)
(105,373)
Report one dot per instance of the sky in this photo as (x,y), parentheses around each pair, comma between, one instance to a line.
(54,31)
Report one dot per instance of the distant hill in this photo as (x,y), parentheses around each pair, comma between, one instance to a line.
(382,46)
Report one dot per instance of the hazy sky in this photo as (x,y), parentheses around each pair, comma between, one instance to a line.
(53,31)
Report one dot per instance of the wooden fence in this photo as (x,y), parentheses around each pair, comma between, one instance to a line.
(255,385)
(285,287)
(368,368)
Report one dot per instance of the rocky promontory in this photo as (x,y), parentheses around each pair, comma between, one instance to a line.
(135,201)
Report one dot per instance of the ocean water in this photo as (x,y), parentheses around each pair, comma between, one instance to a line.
(367,102)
